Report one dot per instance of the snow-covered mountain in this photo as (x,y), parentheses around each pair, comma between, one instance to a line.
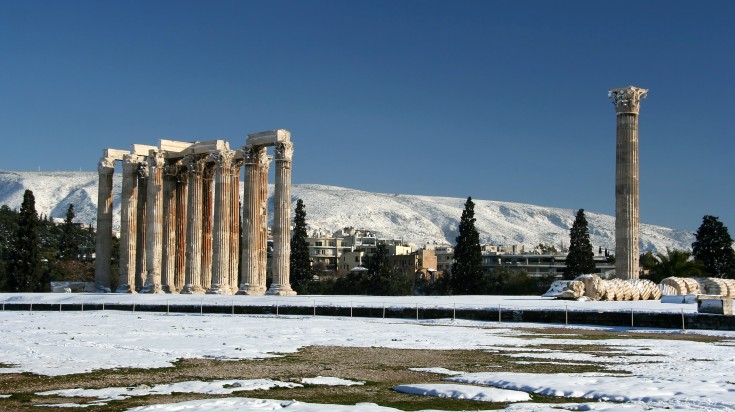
(416,219)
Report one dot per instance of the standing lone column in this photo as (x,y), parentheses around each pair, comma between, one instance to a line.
(627,218)
(221,230)
(103,242)
(140,259)
(251,206)
(181,207)
(193,278)
(282,221)
(128,224)
(154,223)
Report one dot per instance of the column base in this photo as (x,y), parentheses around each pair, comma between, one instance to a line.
(102,289)
(219,290)
(125,289)
(152,288)
(167,289)
(192,290)
(251,290)
(280,290)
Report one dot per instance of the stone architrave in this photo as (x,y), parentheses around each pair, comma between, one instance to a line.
(192,283)
(128,224)
(181,208)
(234,224)
(627,215)
(250,260)
(168,263)
(140,252)
(103,241)
(207,222)
(221,230)
(282,221)
(154,223)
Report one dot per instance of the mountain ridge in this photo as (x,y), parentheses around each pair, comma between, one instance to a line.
(418,219)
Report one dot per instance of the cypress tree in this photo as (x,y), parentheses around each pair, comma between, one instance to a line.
(300,270)
(24,266)
(713,248)
(466,275)
(69,245)
(580,259)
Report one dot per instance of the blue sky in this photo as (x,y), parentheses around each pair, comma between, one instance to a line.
(498,100)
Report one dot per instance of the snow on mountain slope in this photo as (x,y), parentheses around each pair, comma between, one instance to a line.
(416,219)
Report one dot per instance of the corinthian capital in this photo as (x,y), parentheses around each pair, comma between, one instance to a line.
(155,159)
(106,165)
(284,151)
(627,99)
(194,164)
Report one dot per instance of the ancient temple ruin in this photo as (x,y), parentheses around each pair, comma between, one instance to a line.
(179,220)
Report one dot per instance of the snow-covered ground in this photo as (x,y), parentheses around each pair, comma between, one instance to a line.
(658,373)
(416,219)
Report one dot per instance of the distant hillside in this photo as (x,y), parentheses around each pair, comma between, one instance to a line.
(417,219)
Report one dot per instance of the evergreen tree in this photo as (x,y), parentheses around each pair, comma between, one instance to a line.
(69,245)
(466,274)
(383,279)
(24,266)
(674,263)
(301,270)
(713,248)
(580,259)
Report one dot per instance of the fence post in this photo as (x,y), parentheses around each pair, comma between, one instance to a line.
(82,306)
(350,308)
(133,306)
(31,307)
(103,306)
(233,306)
(201,307)
(631,317)
(315,308)
(500,314)
(167,307)
(383,310)
(417,311)
(60,306)
(566,315)
(277,310)
(683,325)
(454,311)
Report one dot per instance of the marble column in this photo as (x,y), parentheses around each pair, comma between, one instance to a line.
(181,221)
(168,263)
(128,224)
(263,228)
(250,259)
(234,224)
(195,167)
(154,223)
(140,252)
(627,215)
(282,221)
(207,200)
(103,241)
(221,230)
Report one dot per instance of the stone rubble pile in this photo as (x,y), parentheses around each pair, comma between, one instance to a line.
(593,287)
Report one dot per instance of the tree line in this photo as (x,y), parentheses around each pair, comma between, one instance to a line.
(34,250)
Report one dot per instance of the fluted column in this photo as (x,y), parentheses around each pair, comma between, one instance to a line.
(103,242)
(282,221)
(128,224)
(221,231)
(154,223)
(250,260)
(627,215)
(181,221)
(234,224)
(168,263)
(140,242)
(207,203)
(263,228)
(195,168)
